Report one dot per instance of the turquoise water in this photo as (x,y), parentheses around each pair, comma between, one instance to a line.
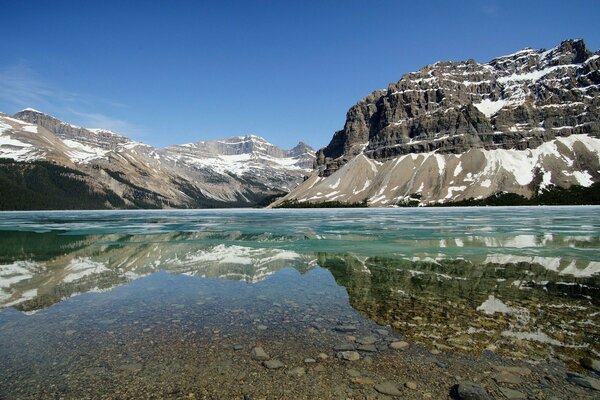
(521,282)
(546,231)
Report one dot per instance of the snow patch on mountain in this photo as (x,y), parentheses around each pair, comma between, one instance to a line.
(489,107)
(82,152)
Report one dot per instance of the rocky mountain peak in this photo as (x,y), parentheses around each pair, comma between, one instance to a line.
(515,101)
(526,123)
(101,138)
(114,171)
(300,149)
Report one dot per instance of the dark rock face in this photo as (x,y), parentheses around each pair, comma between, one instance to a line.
(471,391)
(304,153)
(517,102)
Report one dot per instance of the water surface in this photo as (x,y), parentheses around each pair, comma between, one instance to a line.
(166,302)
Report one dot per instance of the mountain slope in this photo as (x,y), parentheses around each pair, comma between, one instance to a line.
(231,173)
(520,123)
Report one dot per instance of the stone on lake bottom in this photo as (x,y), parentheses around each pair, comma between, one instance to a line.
(259,354)
(411,385)
(584,381)
(349,355)
(344,347)
(361,380)
(590,364)
(471,391)
(389,388)
(512,394)
(400,345)
(368,348)
(367,340)
(523,371)
(345,328)
(507,377)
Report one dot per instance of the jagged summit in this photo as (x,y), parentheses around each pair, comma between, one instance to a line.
(454,106)
(93,138)
(517,103)
(31,110)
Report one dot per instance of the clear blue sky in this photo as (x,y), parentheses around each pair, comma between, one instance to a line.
(179,71)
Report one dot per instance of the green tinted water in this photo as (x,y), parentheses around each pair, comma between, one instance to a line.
(85,294)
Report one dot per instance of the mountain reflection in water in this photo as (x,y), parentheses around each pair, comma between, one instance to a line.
(516,283)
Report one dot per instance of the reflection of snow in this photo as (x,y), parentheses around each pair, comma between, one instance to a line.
(583,270)
(493,305)
(592,268)
(223,254)
(538,336)
(16,272)
(81,267)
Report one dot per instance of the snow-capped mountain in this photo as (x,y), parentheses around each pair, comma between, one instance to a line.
(242,171)
(247,156)
(521,123)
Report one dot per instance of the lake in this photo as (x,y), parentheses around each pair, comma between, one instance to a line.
(345,303)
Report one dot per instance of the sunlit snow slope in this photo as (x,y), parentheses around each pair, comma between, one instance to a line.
(521,123)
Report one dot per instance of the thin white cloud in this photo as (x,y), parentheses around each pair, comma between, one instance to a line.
(490,9)
(97,120)
(21,87)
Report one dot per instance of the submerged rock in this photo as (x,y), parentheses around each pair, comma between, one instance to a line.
(349,355)
(400,345)
(590,364)
(368,348)
(259,354)
(584,381)
(367,340)
(512,394)
(507,377)
(344,347)
(411,385)
(471,391)
(345,328)
(389,388)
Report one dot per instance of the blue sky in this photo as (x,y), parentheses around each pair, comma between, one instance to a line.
(180,71)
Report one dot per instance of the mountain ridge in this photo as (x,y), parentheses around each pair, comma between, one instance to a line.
(458,130)
(142,176)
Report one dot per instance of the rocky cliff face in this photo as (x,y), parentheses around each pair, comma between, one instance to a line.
(100,138)
(513,102)
(453,126)
(242,171)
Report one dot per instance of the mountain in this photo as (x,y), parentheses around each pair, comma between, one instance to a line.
(522,123)
(48,163)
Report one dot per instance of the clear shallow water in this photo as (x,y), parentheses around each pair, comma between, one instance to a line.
(103,298)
